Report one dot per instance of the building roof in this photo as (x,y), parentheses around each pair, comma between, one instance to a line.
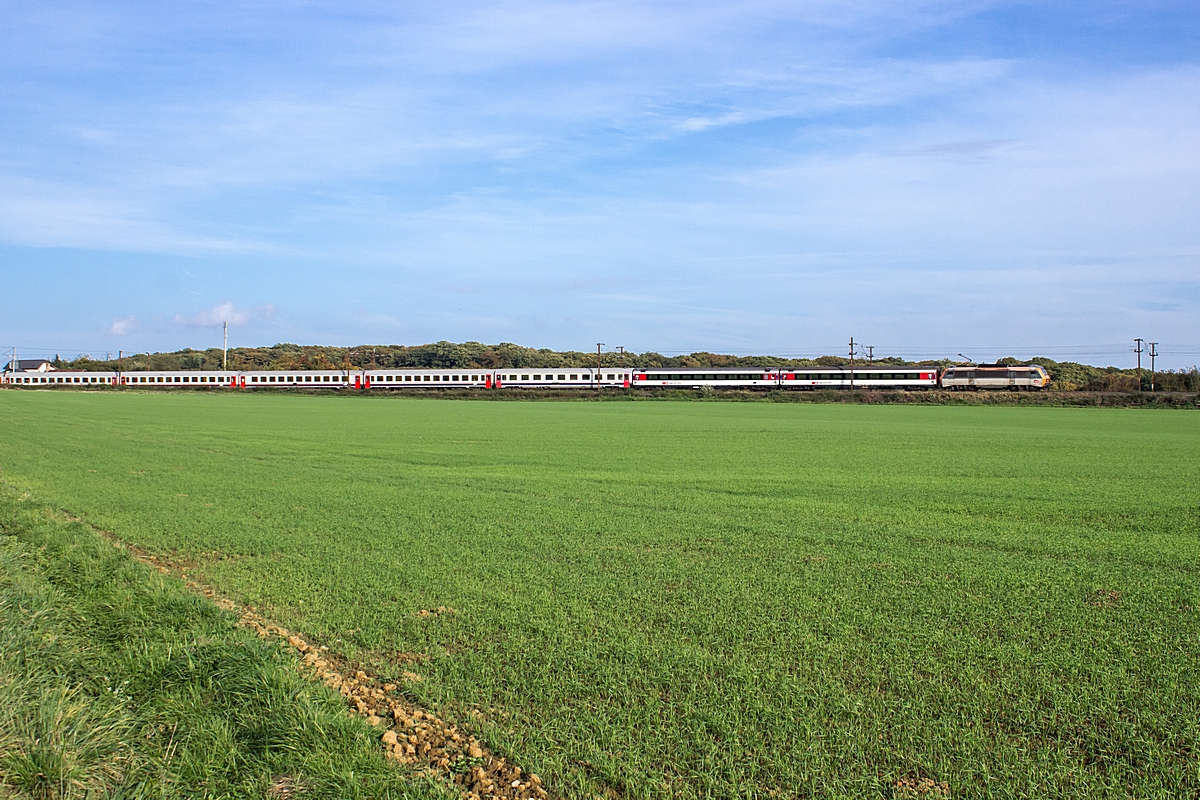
(30,365)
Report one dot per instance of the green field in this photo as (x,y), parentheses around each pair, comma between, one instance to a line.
(697,599)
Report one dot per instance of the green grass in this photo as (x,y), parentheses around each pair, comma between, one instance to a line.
(698,599)
(117,682)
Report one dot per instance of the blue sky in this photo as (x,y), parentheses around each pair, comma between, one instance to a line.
(758,177)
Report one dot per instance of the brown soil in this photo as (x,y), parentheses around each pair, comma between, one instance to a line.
(1105,598)
(911,788)
(411,735)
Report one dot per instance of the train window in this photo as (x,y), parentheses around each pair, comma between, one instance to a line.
(523,377)
(575,377)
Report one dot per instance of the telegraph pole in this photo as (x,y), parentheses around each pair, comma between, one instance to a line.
(598,346)
(870,354)
(621,350)
(1153,355)
(1139,352)
(851,362)
(225,349)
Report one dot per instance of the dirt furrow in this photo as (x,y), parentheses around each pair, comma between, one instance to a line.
(411,735)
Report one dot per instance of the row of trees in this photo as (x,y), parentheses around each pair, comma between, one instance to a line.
(440,355)
(1066,375)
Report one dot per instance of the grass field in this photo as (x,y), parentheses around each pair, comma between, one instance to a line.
(698,599)
(116,682)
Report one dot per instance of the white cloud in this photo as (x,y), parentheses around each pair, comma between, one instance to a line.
(226,312)
(123,325)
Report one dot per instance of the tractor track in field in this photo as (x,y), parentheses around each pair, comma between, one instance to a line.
(410,735)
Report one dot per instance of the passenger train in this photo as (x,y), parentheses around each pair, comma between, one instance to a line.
(983,376)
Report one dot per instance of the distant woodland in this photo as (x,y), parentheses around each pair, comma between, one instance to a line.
(1067,375)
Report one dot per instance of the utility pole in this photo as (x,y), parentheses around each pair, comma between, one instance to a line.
(225,349)
(1139,352)
(871,354)
(598,346)
(851,362)
(621,350)
(1153,355)
(120,355)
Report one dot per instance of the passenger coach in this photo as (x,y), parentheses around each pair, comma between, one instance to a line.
(772,378)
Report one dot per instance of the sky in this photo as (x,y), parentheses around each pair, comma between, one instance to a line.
(930,178)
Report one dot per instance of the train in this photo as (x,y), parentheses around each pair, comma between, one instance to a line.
(1020,377)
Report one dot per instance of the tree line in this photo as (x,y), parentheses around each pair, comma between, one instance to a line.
(1066,375)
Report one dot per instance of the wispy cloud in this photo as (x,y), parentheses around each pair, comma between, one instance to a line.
(123,326)
(224,313)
